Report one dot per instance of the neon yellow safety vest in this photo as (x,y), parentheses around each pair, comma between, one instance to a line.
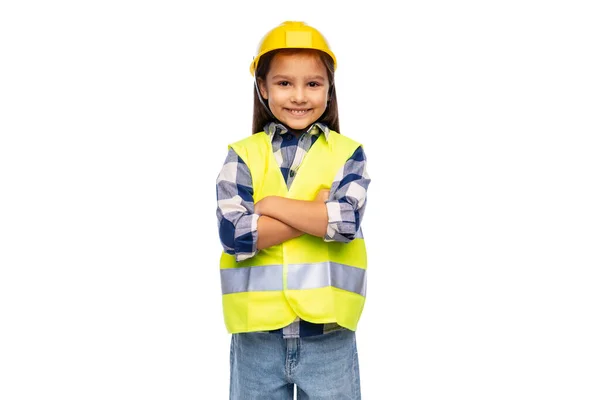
(321,282)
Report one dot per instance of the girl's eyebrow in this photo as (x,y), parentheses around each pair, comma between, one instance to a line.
(279,76)
(308,78)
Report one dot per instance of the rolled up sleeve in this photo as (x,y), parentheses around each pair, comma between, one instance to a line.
(347,199)
(237,221)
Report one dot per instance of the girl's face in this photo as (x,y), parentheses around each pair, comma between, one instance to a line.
(296,88)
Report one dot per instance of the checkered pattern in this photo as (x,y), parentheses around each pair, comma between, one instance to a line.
(235,205)
(290,151)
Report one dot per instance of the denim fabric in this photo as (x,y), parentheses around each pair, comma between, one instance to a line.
(266,367)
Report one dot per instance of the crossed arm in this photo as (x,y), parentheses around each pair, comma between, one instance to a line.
(283,219)
(246,227)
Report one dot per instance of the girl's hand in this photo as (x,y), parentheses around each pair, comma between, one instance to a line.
(259,207)
(322,196)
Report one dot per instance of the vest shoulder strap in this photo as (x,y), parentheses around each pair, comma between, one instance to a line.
(254,145)
(343,142)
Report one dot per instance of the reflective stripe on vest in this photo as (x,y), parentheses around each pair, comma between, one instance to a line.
(300,276)
(312,276)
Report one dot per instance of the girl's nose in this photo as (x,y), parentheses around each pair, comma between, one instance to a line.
(298,96)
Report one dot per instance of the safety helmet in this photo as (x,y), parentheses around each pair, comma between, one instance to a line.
(292,35)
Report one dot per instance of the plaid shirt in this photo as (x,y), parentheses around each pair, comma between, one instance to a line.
(237,221)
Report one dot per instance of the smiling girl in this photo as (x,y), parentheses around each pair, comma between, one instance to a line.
(291,198)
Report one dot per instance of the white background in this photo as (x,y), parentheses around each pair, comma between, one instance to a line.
(480,121)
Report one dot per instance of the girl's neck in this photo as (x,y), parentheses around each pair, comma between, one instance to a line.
(296,132)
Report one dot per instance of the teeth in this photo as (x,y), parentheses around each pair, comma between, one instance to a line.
(298,111)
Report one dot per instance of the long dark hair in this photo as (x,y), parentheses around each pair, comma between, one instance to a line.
(261,115)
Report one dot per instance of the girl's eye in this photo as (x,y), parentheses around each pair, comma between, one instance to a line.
(313,84)
(283,83)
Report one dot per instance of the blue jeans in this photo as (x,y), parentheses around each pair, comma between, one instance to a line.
(265,366)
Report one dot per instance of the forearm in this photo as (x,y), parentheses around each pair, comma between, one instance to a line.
(272,232)
(306,216)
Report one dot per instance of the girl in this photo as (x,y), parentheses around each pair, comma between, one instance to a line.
(290,202)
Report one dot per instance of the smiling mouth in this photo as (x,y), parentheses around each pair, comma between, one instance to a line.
(298,113)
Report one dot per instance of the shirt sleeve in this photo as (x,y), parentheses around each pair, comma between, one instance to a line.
(237,221)
(347,199)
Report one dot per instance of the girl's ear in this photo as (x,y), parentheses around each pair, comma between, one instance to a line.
(263,88)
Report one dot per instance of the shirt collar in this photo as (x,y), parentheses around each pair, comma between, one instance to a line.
(273,128)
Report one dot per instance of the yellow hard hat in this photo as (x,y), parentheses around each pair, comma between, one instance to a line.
(292,35)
